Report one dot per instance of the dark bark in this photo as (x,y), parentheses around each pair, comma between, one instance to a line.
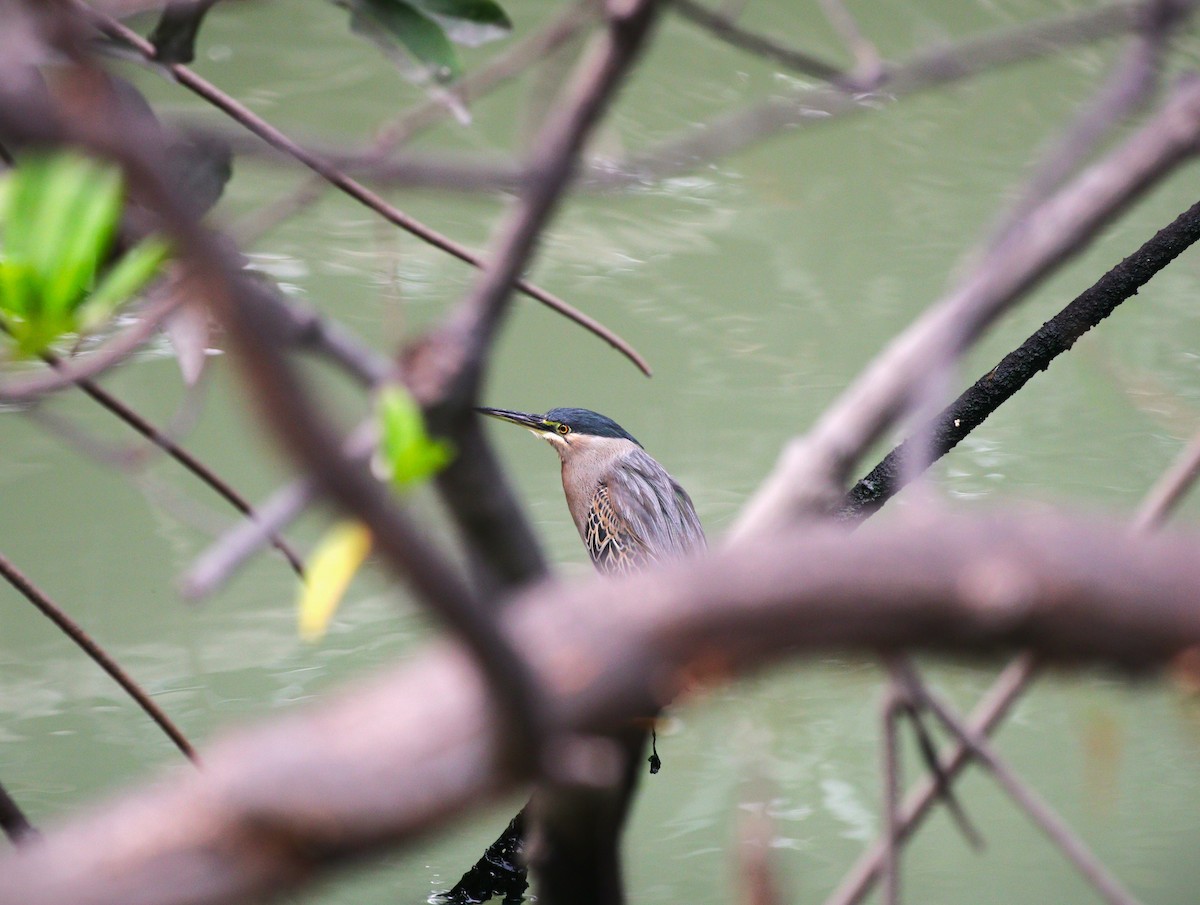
(500,871)
(13,822)
(1017,368)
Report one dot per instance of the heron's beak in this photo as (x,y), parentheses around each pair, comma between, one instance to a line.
(535,423)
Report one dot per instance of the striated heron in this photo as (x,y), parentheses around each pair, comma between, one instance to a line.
(628,510)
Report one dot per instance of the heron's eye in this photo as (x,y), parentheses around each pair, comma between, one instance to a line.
(563,429)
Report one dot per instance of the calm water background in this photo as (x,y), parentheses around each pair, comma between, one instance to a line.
(757,287)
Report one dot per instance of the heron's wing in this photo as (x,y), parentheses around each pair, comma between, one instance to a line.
(613,545)
(640,514)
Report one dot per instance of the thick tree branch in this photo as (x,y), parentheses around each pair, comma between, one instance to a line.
(277,803)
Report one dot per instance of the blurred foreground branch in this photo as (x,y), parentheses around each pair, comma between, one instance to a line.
(396,758)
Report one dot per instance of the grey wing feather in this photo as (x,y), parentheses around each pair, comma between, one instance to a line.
(653,516)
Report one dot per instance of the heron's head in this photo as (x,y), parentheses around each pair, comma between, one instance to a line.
(568,430)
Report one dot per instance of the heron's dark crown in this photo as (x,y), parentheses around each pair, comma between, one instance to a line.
(589,423)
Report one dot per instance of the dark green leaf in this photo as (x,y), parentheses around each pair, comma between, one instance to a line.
(468,22)
(174,36)
(423,38)
(483,12)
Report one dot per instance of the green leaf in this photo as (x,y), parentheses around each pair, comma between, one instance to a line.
(58,216)
(6,180)
(23,197)
(84,240)
(174,37)
(468,22)
(70,206)
(419,34)
(481,12)
(18,284)
(135,268)
(407,454)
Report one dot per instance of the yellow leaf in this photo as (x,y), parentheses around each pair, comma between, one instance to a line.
(332,565)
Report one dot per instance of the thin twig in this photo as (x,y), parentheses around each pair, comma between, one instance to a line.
(190,462)
(423,116)
(988,714)
(757,877)
(1055,828)
(906,686)
(216,565)
(891,796)
(725,29)
(72,630)
(1169,489)
(736,131)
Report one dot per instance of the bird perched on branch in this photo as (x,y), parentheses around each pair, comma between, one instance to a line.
(628,509)
(629,512)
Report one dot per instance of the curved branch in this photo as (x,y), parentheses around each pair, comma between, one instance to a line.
(388,761)
(554,156)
